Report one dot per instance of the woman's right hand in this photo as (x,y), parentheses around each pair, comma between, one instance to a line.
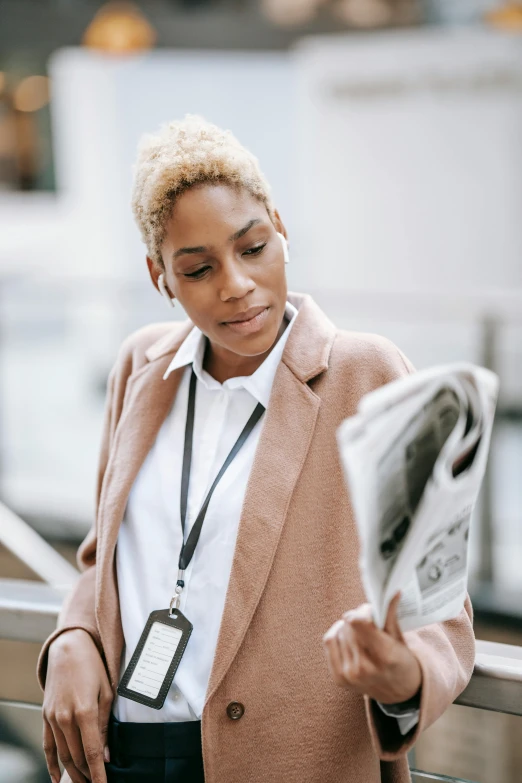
(76,709)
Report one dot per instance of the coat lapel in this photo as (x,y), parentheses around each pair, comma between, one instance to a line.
(148,399)
(283,446)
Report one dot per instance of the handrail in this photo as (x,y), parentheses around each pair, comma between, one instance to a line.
(24,705)
(496,683)
(418,774)
(25,543)
(29,612)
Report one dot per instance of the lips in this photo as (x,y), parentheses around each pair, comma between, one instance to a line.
(249,322)
(247,315)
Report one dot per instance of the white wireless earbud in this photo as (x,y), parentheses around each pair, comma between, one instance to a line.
(285,247)
(163,288)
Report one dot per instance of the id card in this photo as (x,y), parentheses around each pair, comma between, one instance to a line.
(149,675)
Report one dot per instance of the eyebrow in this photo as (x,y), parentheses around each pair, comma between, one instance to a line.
(232,238)
(243,231)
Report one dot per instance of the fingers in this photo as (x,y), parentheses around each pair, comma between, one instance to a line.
(333,653)
(104,712)
(355,648)
(346,657)
(363,613)
(358,664)
(65,754)
(370,660)
(350,654)
(391,625)
(51,753)
(79,742)
(93,746)
(364,635)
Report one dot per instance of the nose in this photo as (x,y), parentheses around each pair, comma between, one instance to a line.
(235,282)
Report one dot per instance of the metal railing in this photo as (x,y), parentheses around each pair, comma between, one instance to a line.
(417,777)
(29,611)
(25,543)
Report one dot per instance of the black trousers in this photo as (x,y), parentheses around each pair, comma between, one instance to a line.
(155,752)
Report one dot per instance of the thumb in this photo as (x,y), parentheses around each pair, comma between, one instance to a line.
(391,625)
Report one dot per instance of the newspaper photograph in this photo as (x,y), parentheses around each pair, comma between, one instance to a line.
(414,457)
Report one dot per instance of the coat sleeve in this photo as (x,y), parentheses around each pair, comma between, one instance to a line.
(446,654)
(78,610)
(445,651)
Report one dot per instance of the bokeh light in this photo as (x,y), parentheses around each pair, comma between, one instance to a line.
(290,12)
(364,13)
(31,94)
(120,27)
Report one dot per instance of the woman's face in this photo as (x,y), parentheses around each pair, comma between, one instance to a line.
(224,262)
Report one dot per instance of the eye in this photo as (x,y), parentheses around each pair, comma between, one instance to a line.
(255,251)
(198,273)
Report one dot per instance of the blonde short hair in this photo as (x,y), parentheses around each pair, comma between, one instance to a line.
(182,154)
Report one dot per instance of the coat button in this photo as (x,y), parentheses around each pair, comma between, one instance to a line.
(235,710)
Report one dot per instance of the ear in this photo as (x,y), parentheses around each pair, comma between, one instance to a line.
(279,225)
(154,272)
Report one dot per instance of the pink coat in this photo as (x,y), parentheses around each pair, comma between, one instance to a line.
(295,568)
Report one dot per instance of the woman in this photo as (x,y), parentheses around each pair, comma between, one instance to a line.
(284,676)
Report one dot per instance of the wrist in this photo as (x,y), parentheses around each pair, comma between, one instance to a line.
(408,705)
(414,681)
(69,639)
(410,695)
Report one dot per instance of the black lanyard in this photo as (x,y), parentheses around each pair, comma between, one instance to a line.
(188,546)
(163,641)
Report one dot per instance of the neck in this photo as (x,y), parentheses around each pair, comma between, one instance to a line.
(223,364)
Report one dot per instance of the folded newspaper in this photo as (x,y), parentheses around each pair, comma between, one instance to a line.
(414,457)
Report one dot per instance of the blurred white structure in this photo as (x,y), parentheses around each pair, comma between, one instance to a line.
(102,105)
(79,260)
(414,161)
(395,161)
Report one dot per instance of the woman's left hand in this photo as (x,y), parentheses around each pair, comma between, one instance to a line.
(371,661)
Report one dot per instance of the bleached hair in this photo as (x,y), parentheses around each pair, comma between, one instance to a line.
(182,154)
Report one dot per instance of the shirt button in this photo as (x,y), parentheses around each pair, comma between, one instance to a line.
(235,710)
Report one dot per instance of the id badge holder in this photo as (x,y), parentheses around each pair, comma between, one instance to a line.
(150,672)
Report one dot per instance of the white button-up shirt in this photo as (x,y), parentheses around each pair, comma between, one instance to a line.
(150,537)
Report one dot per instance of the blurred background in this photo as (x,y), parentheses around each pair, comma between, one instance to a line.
(391,131)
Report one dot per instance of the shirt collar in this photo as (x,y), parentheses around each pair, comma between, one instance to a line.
(259,384)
